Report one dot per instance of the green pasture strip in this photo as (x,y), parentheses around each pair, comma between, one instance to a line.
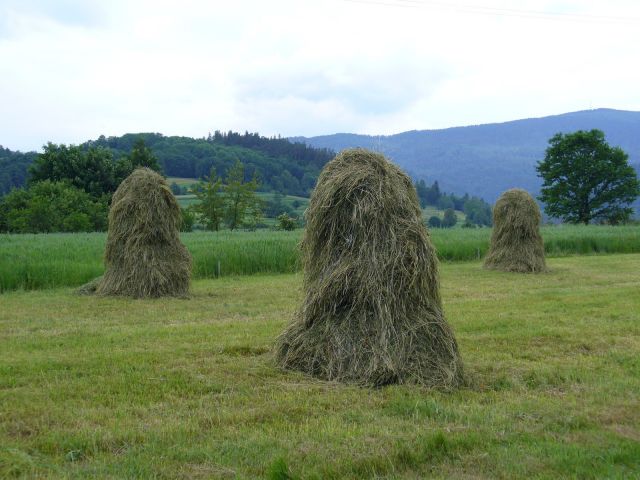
(50,260)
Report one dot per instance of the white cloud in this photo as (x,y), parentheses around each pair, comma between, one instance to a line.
(72,70)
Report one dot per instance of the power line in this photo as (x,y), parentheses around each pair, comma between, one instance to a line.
(502,12)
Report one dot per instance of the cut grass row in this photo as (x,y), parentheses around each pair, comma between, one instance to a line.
(50,260)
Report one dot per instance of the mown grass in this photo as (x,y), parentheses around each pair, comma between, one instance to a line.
(118,388)
(50,260)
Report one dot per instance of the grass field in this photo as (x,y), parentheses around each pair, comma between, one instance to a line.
(182,181)
(50,260)
(117,388)
(186,200)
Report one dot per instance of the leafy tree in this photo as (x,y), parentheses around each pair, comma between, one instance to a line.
(434,222)
(285,222)
(142,156)
(240,198)
(289,182)
(188,220)
(477,211)
(13,169)
(450,218)
(585,179)
(52,207)
(92,170)
(211,205)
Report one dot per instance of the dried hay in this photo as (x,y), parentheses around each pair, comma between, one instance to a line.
(144,256)
(516,243)
(90,287)
(372,313)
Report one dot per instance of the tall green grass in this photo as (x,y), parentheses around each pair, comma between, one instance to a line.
(50,260)
(559,241)
(242,253)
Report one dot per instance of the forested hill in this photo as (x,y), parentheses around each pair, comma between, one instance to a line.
(488,159)
(13,168)
(283,166)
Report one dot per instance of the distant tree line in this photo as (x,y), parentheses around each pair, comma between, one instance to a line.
(281,166)
(69,187)
(14,168)
(476,210)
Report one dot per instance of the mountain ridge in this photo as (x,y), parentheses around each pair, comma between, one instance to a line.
(489,158)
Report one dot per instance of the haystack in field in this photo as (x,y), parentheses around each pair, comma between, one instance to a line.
(516,244)
(144,256)
(372,313)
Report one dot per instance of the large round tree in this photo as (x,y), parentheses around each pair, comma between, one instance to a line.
(586,179)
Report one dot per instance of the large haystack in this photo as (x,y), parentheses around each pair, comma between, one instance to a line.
(516,244)
(372,313)
(144,256)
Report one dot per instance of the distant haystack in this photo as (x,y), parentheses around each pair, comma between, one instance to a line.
(516,244)
(372,313)
(144,256)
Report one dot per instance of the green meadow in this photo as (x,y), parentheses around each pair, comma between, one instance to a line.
(51,260)
(120,388)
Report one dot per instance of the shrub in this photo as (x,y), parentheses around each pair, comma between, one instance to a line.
(49,206)
(435,222)
(285,222)
(188,219)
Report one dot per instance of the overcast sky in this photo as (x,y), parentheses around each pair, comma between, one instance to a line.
(71,70)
